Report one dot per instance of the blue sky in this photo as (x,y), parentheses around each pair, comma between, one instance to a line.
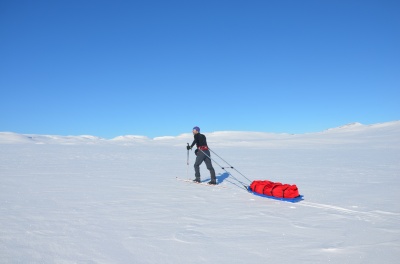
(157,68)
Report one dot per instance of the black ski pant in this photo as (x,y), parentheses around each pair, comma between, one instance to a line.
(199,159)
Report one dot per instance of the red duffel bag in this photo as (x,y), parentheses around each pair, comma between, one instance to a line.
(275,189)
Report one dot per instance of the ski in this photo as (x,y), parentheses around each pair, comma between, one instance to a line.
(202,183)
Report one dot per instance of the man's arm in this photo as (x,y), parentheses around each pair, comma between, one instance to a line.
(196,138)
(194,142)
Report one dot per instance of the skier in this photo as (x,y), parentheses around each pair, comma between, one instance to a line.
(203,153)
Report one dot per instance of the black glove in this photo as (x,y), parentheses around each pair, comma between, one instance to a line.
(188,147)
(195,152)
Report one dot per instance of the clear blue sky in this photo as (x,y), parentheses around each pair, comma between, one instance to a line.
(156,68)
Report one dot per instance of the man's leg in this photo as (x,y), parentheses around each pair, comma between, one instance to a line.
(199,159)
(208,163)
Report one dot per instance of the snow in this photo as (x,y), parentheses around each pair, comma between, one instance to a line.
(84,199)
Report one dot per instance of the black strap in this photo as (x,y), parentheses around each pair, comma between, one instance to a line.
(266,185)
(272,189)
(283,191)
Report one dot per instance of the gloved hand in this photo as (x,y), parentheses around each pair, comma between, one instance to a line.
(195,152)
(188,147)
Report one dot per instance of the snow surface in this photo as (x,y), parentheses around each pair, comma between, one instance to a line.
(84,199)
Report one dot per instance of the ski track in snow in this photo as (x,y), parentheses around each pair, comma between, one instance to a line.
(367,216)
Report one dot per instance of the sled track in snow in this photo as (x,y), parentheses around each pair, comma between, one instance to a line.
(367,216)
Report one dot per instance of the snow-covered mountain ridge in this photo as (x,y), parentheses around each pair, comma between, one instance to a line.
(391,129)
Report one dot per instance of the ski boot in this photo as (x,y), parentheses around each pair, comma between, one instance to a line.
(212,182)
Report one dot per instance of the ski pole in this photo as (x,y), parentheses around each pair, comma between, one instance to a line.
(187,162)
(230,165)
(244,186)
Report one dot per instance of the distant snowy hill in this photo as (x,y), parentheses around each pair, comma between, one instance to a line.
(9,137)
(221,137)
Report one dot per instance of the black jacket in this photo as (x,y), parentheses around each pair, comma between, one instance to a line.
(199,140)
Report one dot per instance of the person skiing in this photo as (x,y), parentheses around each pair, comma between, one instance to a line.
(203,153)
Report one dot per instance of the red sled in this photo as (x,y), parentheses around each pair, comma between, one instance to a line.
(276,190)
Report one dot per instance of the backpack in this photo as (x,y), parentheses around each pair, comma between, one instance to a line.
(275,189)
